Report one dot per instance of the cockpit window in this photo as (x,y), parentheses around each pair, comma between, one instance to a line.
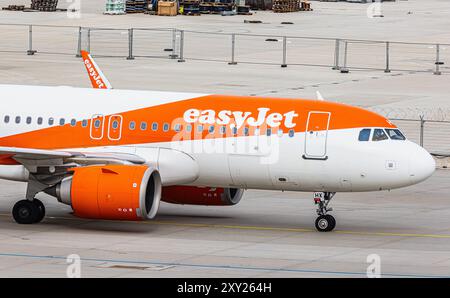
(395,134)
(364,135)
(379,135)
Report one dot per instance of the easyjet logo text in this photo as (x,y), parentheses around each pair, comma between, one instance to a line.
(93,74)
(239,119)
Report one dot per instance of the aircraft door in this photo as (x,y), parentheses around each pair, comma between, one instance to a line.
(316,135)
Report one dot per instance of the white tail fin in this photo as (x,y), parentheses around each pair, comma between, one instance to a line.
(98,79)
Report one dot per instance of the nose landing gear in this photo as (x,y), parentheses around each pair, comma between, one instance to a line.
(28,211)
(325,222)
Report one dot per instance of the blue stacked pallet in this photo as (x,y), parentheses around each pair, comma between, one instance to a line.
(136,6)
(191,7)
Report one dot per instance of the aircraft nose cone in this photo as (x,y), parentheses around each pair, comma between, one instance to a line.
(421,165)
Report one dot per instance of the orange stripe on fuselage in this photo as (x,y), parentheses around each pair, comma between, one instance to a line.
(67,136)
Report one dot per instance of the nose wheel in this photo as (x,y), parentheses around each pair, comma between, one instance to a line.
(325,222)
(28,212)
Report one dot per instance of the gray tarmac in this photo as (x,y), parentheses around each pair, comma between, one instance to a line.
(269,234)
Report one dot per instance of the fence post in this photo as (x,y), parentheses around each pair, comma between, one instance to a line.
(79,43)
(387,70)
(181,59)
(345,69)
(422,126)
(284,52)
(233,46)
(336,54)
(438,63)
(89,40)
(130,44)
(174,54)
(30,41)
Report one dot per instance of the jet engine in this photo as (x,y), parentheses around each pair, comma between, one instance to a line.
(192,195)
(119,192)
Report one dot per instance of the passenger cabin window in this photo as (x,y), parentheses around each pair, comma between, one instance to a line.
(166,127)
(364,135)
(62,121)
(18,119)
(177,127)
(40,120)
(28,120)
(155,126)
(6,119)
(84,123)
(395,134)
(379,135)
(51,121)
(97,123)
(73,122)
(143,125)
(132,125)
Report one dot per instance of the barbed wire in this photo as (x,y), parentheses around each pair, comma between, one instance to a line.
(414,113)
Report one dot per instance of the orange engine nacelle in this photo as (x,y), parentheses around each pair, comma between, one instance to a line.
(122,192)
(191,195)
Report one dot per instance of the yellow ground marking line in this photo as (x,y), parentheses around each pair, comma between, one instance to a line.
(261,228)
(219,226)
(394,234)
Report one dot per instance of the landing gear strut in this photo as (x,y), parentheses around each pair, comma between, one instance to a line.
(28,211)
(325,222)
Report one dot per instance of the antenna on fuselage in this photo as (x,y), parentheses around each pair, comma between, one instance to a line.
(319,96)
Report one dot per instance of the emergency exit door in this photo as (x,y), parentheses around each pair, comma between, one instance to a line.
(316,135)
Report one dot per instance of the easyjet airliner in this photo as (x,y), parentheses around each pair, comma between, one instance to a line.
(115,154)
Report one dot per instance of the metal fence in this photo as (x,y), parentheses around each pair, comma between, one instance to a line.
(339,54)
(431,134)
(429,129)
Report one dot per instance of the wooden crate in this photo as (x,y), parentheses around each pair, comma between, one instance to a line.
(167,8)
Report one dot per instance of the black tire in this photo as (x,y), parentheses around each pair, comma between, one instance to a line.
(325,223)
(41,209)
(332,221)
(25,212)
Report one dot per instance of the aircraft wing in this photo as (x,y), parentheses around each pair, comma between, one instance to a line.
(27,156)
(33,153)
(176,166)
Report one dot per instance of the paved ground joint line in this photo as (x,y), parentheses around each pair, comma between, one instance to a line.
(229,267)
(262,228)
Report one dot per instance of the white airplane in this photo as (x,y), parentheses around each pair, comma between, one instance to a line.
(115,154)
